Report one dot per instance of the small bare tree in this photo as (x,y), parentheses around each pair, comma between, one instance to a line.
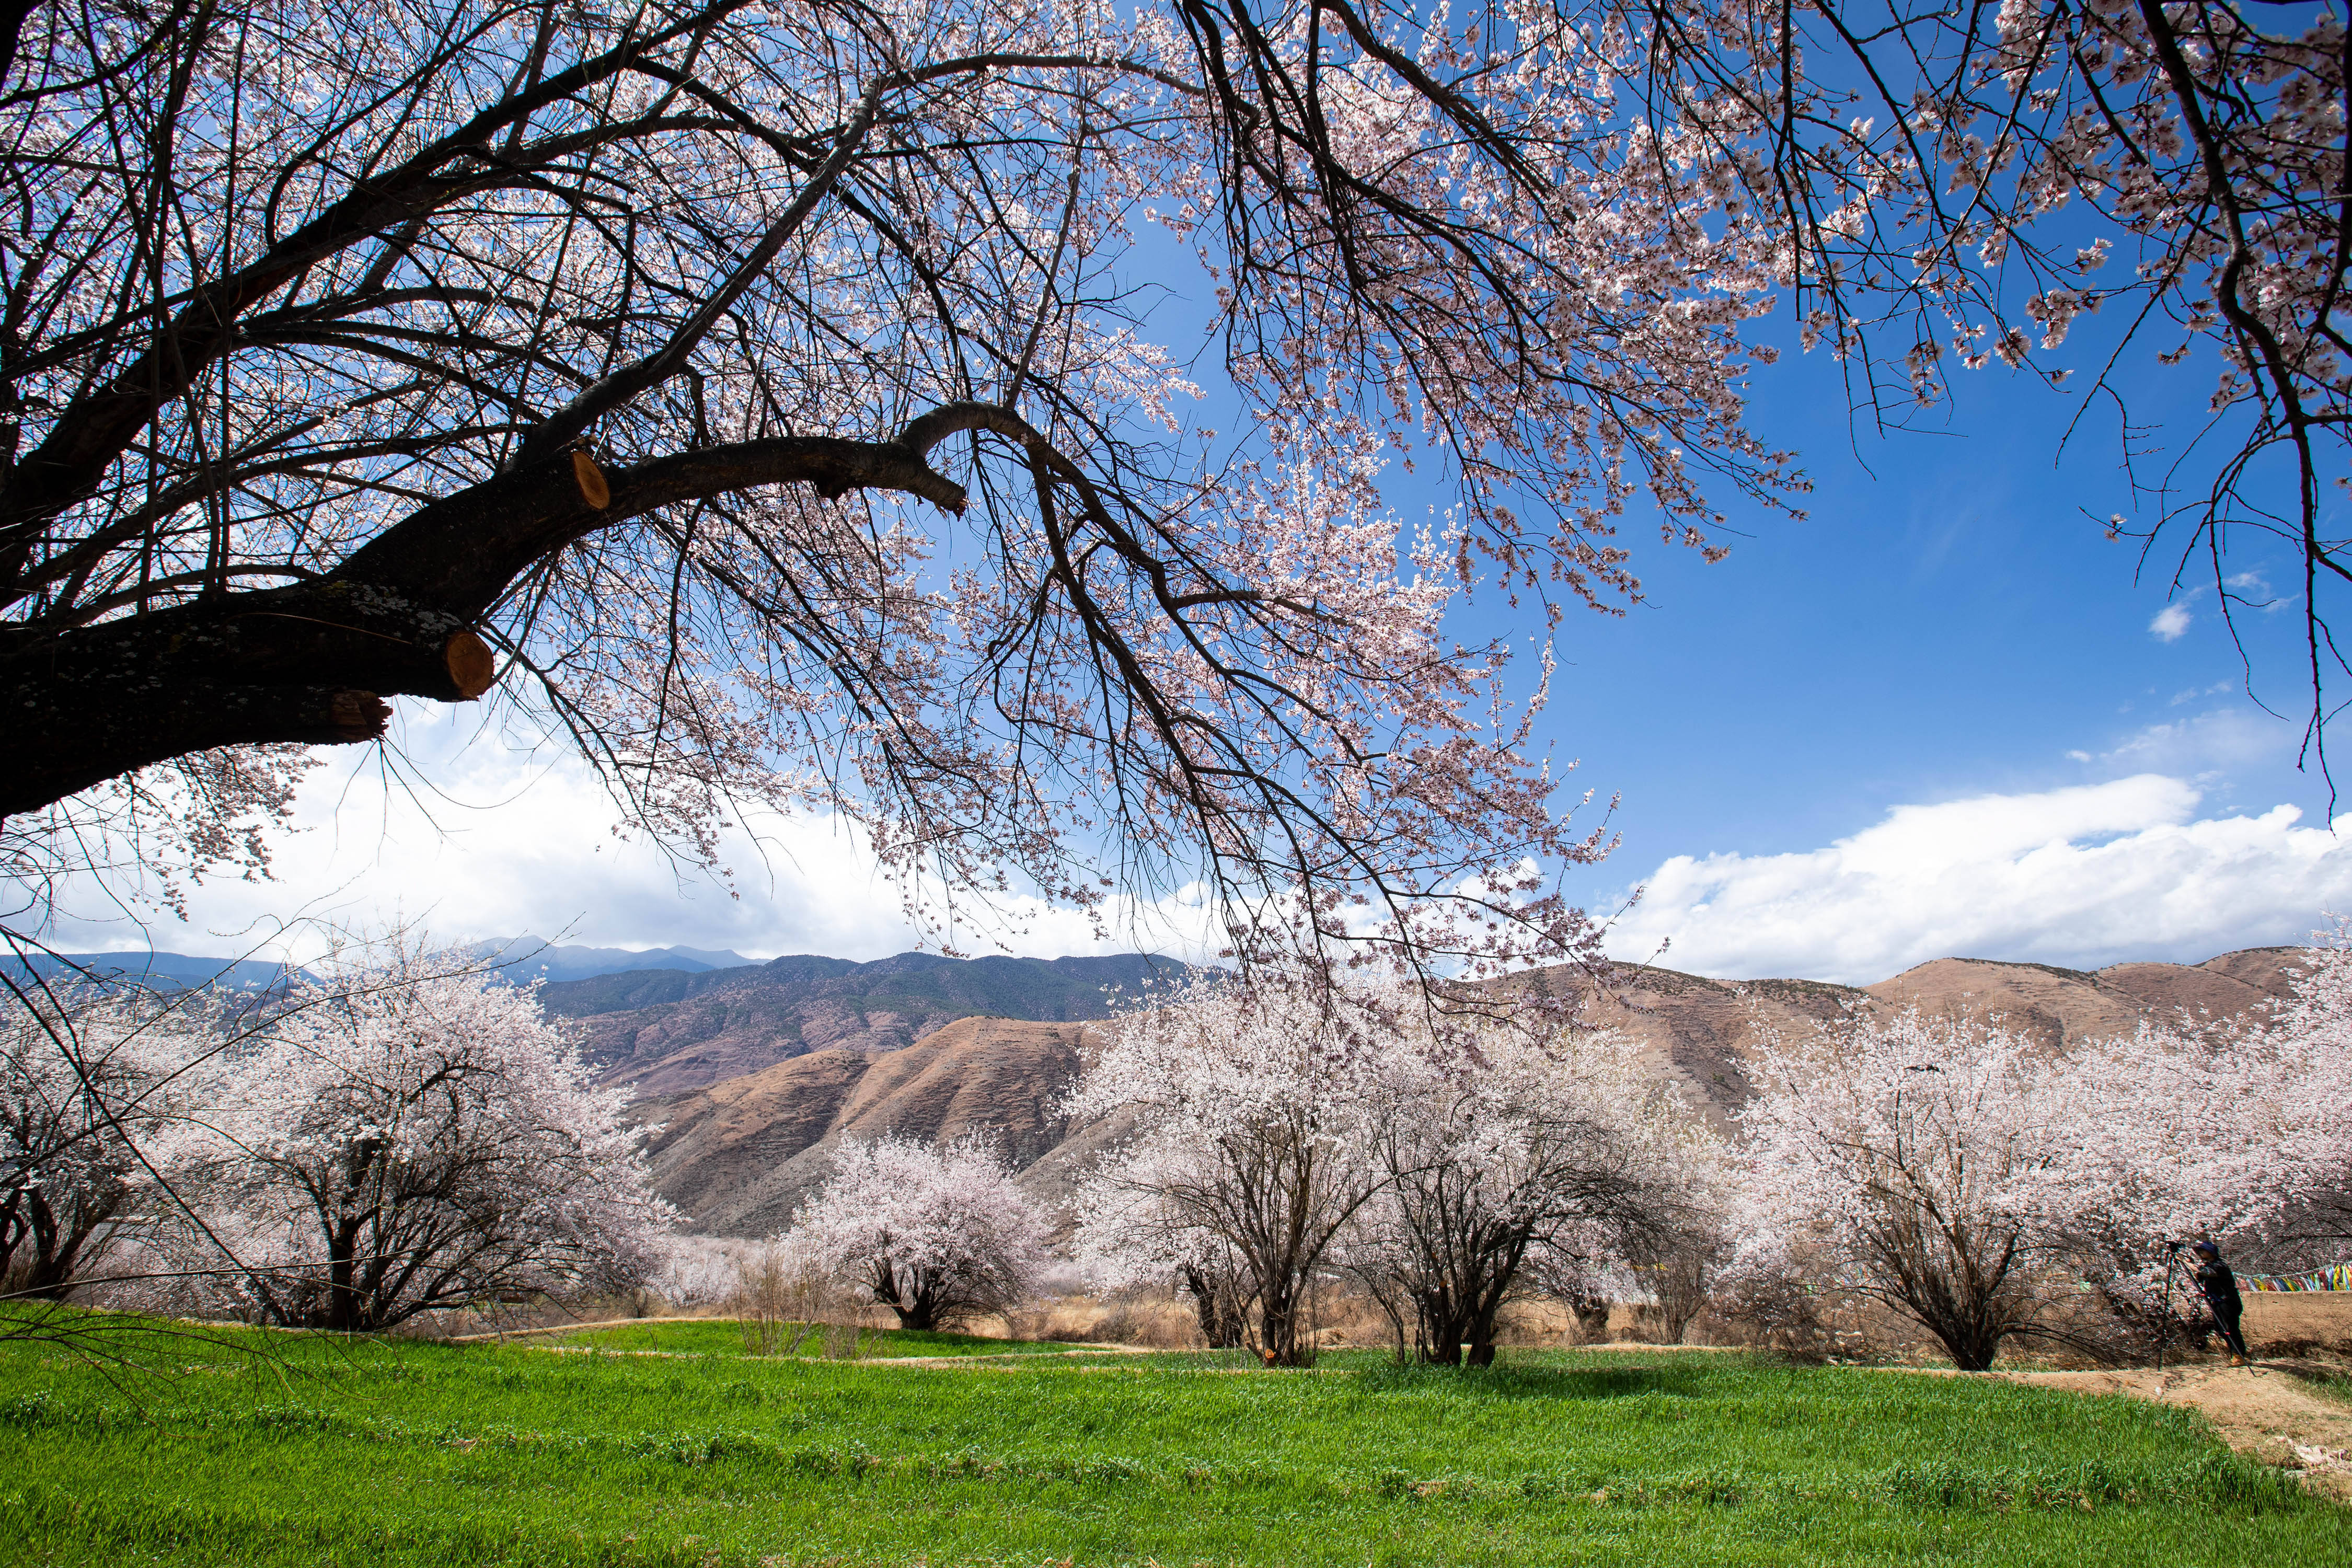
(781,1300)
(1677,1264)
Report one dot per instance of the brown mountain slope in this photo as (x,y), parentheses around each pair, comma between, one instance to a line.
(1700,1030)
(739,1156)
(2059,1005)
(661,1032)
(2268,969)
(1703,1030)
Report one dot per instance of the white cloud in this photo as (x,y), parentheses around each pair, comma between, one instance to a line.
(2253,590)
(2078,877)
(2228,738)
(504,843)
(2195,692)
(2171,623)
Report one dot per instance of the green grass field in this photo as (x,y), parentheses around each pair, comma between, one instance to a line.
(351,1453)
(719,1336)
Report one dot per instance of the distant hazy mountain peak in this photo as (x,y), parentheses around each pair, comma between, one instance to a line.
(531,957)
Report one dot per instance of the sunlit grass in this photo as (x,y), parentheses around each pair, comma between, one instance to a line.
(365,1452)
(723,1336)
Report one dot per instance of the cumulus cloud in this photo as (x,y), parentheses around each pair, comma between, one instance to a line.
(2171,623)
(503,843)
(2079,877)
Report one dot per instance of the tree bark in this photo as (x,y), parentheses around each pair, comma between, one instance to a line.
(1213,1301)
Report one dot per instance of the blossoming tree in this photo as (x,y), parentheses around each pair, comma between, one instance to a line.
(1976,1180)
(409,1135)
(1253,1113)
(1921,1162)
(618,367)
(91,1097)
(2285,1140)
(939,1236)
(1538,1144)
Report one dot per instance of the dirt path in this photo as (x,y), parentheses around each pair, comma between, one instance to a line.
(2269,1411)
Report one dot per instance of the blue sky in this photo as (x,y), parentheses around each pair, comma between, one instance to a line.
(1939,715)
(1948,632)
(1944,622)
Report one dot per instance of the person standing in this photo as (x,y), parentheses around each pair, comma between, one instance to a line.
(2220,1287)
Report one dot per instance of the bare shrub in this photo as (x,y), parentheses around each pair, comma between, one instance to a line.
(781,1301)
(1591,1315)
(1677,1266)
(1775,1308)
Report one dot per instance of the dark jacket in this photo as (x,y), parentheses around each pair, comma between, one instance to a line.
(2221,1287)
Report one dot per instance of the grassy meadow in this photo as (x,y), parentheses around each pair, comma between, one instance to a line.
(302,1450)
(721,1336)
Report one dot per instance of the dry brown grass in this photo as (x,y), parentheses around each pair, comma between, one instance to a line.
(1152,1322)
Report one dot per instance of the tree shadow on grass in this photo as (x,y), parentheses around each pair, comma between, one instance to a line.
(1539,1382)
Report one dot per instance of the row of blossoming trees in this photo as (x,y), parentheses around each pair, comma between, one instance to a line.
(1966,1177)
(409,1134)
(401,1135)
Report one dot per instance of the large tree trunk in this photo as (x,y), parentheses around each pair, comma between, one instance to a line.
(1956,1284)
(1216,1302)
(58,1243)
(1457,1314)
(1438,1327)
(342,1312)
(1281,1328)
(909,1293)
(1971,1351)
(1481,1338)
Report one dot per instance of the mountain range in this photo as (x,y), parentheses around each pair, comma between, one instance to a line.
(529,958)
(155,970)
(664,1031)
(523,958)
(738,1149)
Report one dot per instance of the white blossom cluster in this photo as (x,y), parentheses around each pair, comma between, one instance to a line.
(939,1234)
(1448,1165)
(1974,1178)
(404,1134)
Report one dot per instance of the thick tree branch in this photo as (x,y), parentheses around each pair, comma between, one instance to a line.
(311,661)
